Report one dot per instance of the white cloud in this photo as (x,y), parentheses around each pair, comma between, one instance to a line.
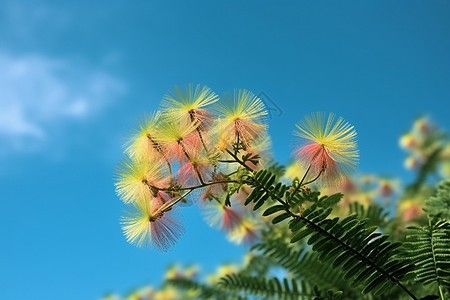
(38,93)
(14,123)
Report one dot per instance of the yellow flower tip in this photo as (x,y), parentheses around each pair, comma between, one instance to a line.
(176,271)
(111,297)
(173,130)
(409,141)
(146,292)
(134,177)
(445,169)
(173,272)
(223,217)
(247,232)
(191,271)
(294,170)
(226,270)
(410,209)
(189,97)
(262,145)
(143,143)
(445,153)
(148,224)
(243,119)
(423,125)
(189,103)
(367,179)
(178,137)
(168,293)
(387,187)
(327,147)
(413,162)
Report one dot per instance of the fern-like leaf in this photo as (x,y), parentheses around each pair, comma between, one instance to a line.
(375,214)
(429,248)
(439,205)
(272,288)
(364,256)
(203,291)
(304,264)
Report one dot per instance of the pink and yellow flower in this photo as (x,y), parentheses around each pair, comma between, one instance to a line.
(328,148)
(152,223)
(143,144)
(387,187)
(199,167)
(135,177)
(248,232)
(224,217)
(423,125)
(241,121)
(179,139)
(189,104)
(413,162)
(409,141)
(410,209)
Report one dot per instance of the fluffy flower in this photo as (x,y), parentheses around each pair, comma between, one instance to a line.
(179,139)
(247,233)
(111,297)
(144,293)
(168,293)
(423,125)
(176,271)
(198,167)
(409,141)
(143,144)
(410,209)
(413,162)
(151,223)
(241,121)
(189,104)
(328,148)
(388,186)
(135,178)
(224,217)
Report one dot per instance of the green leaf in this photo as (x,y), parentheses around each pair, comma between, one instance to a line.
(439,205)
(280,218)
(328,201)
(428,247)
(273,209)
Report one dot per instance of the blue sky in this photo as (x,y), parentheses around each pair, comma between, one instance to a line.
(76,76)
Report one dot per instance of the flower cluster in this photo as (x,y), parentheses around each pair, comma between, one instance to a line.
(198,149)
(425,144)
(166,292)
(220,147)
